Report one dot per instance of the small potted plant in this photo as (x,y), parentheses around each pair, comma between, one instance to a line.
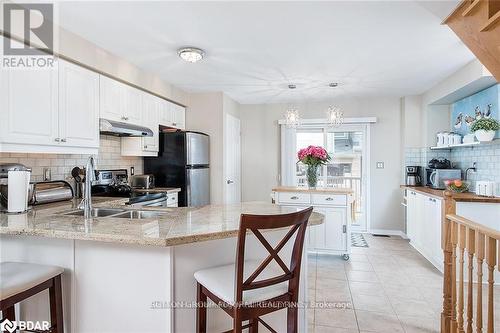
(313,157)
(485,128)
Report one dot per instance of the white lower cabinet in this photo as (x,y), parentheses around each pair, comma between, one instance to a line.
(424,216)
(333,236)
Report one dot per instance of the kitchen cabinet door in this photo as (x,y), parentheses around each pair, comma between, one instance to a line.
(411,205)
(111,99)
(437,214)
(133,104)
(179,116)
(151,121)
(428,226)
(331,235)
(165,112)
(78,106)
(419,220)
(29,106)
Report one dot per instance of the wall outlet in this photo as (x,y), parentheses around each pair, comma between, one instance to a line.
(380,165)
(47,174)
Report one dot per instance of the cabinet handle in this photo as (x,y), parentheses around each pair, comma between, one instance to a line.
(145,147)
(57,140)
(174,124)
(124,118)
(63,140)
(329,199)
(294,198)
(344,229)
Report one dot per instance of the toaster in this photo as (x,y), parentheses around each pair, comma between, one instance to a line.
(143,181)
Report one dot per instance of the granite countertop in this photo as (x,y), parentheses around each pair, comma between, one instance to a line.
(158,190)
(318,190)
(461,197)
(177,226)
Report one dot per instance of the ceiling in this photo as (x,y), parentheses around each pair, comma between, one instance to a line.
(255,49)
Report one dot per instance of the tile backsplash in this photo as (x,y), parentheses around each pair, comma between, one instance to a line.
(487,158)
(109,157)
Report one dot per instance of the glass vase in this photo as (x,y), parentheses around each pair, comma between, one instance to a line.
(312,176)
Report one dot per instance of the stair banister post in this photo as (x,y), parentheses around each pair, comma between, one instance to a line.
(446,245)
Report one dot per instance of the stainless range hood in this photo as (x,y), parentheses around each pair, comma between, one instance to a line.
(117,128)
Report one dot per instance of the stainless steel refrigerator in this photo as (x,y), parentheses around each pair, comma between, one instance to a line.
(183,161)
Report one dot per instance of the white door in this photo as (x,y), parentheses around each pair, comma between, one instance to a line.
(29,106)
(232,160)
(78,106)
(331,235)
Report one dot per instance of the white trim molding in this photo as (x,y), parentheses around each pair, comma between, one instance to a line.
(388,232)
(357,120)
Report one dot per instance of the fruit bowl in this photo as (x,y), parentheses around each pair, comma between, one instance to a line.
(457,185)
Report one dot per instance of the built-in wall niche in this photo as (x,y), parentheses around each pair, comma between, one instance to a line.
(484,104)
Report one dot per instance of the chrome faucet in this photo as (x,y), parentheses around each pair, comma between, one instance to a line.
(473,168)
(86,203)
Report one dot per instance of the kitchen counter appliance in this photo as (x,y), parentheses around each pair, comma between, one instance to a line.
(15,188)
(183,162)
(114,183)
(145,182)
(413,176)
(436,177)
(53,191)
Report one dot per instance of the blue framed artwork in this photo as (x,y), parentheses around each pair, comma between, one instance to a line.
(482,104)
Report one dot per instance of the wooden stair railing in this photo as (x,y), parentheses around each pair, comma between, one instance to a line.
(473,244)
(477,24)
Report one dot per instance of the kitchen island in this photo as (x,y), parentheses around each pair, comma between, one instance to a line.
(135,275)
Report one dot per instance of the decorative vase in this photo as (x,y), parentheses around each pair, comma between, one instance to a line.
(483,135)
(312,175)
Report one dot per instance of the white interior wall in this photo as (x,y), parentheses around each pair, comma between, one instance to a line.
(206,112)
(261,152)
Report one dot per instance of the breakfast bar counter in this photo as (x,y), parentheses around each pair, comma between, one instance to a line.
(136,274)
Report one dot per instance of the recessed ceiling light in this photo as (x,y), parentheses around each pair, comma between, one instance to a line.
(191,54)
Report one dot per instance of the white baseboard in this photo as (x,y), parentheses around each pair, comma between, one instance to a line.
(388,232)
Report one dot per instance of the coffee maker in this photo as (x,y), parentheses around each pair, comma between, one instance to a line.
(413,176)
(14,188)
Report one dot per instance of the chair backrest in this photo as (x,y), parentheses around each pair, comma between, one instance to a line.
(296,223)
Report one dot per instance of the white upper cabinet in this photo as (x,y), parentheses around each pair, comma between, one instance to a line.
(78,106)
(165,113)
(29,112)
(145,146)
(178,116)
(50,111)
(111,103)
(172,115)
(119,101)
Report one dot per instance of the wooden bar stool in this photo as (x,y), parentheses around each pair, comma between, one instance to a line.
(18,281)
(277,287)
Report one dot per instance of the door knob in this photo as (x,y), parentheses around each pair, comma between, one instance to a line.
(229,181)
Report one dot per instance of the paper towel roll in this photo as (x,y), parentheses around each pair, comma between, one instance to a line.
(18,182)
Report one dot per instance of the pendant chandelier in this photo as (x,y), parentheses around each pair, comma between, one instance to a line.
(334,116)
(292,116)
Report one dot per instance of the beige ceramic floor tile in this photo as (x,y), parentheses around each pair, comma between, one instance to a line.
(409,307)
(361,276)
(366,288)
(336,318)
(372,303)
(358,266)
(378,322)
(326,329)
(420,324)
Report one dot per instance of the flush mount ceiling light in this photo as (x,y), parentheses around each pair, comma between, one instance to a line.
(334,116)
(292,116)
(191,54)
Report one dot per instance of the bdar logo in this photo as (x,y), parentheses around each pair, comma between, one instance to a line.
(32,21)
(8,326)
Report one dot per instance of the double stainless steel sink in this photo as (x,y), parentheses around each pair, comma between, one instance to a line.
(120,213)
